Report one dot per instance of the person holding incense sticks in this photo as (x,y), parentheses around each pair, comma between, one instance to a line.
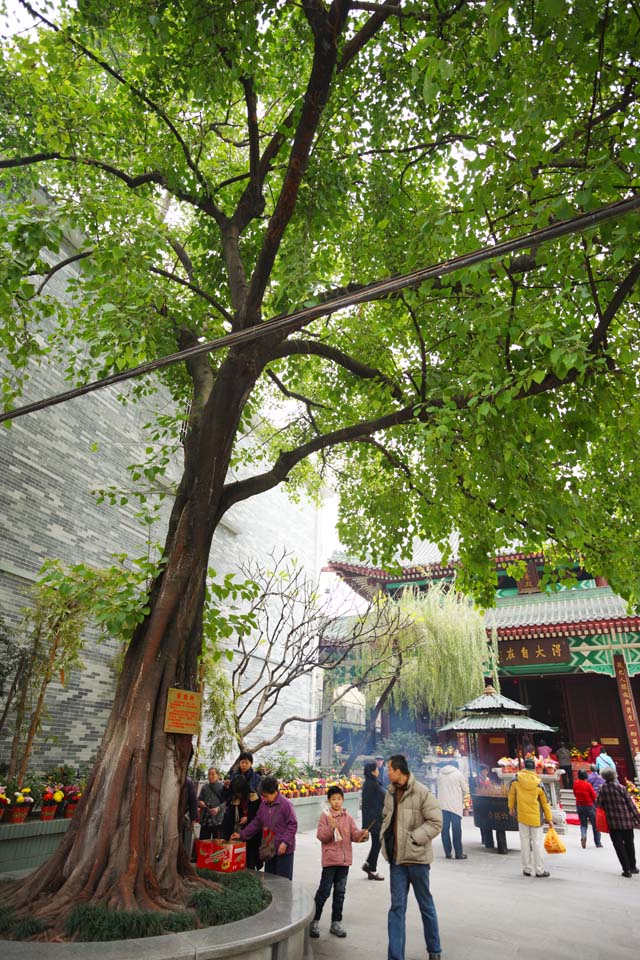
(372,804)
(336,831)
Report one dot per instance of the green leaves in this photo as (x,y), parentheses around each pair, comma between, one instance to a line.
(436,139)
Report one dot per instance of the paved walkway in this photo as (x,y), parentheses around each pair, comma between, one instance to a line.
(488,910)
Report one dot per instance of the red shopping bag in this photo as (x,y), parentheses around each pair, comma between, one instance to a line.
(601,820)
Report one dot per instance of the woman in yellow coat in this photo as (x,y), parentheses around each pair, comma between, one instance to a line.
(526,797)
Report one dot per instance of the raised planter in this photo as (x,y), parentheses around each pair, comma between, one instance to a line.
(24,846)
(308,809)
(280,932)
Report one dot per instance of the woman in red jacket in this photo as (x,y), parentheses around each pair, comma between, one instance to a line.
(586,808)
(594,751)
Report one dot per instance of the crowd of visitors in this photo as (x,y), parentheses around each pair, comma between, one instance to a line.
(402,821)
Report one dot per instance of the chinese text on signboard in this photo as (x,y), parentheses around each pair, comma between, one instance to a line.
(627,702)
(183,711)
(518,653)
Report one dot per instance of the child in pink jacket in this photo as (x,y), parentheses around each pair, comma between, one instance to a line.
(336,831)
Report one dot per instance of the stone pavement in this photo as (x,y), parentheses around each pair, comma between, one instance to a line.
(487,909)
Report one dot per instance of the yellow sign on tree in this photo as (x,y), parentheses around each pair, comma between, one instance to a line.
(183,711)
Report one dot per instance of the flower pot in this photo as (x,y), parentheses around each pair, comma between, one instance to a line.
(69,810)
(550,770)
(2,810)
(19,813)
(48,812)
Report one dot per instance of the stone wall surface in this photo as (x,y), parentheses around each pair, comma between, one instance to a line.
(50,464)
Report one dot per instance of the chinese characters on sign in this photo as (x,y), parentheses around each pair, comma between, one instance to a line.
(537,653)
(529,583)
(183,711)
(627,702)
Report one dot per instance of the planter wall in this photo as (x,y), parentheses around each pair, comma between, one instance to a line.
(278,933)
(24,846)
(308,809)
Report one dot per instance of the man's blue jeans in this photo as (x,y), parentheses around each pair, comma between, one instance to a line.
(453,821)
(402,877)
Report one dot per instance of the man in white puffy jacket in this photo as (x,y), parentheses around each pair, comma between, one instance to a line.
(453,787)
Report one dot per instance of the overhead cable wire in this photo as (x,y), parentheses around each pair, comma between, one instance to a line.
(372,291)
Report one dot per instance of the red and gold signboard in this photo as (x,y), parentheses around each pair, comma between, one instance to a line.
(183,711)
(627,702)
(529,583)
(538,653)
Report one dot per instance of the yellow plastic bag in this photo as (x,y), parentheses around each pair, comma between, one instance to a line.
(553,843)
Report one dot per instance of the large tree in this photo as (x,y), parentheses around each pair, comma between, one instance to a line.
(227,161)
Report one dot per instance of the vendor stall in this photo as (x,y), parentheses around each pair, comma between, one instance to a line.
(509,722)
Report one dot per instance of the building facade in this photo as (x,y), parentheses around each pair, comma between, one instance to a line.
(572,655)
(51,465)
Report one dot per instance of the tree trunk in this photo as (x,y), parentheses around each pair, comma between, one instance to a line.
(15,683)
(123,848)
(39,707)
(21,705)
(370,729)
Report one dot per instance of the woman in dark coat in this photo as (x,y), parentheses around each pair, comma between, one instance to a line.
(372,803)
(242,807)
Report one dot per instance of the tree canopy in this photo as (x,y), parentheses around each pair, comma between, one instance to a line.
(232,162)
(207,164)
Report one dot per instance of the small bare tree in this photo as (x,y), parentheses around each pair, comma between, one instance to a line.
(284,634)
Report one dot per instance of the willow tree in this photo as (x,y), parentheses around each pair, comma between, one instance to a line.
(434,655)
(219,162)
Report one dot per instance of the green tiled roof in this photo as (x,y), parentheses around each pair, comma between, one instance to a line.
(568,606)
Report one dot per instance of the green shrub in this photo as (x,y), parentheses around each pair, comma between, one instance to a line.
(24,929)
(242,895)
(6,919)
(91,923)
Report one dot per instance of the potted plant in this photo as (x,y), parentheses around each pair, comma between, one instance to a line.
(4,801)
(72,793)
(20,801)
(52,797)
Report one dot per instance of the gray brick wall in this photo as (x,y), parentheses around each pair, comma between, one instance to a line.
(48,469)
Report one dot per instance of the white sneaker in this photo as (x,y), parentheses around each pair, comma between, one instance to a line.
(337,929)
(314,929)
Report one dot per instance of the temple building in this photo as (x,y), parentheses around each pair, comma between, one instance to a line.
(572,654)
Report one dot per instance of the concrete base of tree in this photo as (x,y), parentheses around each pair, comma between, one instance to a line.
(281,932)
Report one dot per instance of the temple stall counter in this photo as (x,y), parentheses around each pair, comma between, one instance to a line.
(551,783)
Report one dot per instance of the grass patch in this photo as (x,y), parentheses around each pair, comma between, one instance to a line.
(94,923)
(242,895)
(24,929)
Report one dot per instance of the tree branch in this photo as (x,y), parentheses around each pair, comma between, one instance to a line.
(194,288)
(59,266)
(132,181)
(292,395)
(251,203)
(369,30)
(327,27)
(242,489)
(136,91)
(306,347)
(622,292)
